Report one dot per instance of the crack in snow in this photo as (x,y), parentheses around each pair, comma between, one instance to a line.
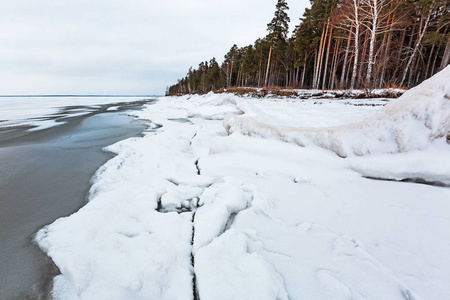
(192,139)
(197,167)
(194,276)
(417,180)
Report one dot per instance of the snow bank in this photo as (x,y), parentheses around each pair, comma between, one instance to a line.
(421,115)
(209,106)
(429,167)
(119,246)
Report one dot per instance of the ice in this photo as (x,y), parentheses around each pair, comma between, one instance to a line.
(188,209)
(36,111)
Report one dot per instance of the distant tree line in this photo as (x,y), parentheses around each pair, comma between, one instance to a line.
(343,44)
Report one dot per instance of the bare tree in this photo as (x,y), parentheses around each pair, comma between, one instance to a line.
(347,50)
(422,32)
(446,58)
(376,14)
(357,24)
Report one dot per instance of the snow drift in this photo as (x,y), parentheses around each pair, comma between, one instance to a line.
(420,116)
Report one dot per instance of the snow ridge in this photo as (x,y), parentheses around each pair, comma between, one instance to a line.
(418,117)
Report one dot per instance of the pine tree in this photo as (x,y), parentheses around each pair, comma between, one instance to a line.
(278,30)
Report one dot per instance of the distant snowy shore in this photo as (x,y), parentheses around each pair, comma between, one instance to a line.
(218,201)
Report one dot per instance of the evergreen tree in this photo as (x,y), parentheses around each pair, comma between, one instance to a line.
(229,65)
(278,30)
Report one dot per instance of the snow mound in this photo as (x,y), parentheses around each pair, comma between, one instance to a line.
(209,106)
(418,117)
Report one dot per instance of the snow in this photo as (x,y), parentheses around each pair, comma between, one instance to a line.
(419,116)
(251,215)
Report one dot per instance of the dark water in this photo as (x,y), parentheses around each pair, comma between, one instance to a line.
(45,175)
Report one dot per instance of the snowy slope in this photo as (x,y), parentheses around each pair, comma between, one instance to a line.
(421,115)
(188,209)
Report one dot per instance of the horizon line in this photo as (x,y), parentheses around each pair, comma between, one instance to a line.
(74,95)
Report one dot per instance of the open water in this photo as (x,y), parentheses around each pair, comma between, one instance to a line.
(45,175)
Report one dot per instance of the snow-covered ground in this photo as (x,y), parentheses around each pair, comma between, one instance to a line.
(188,209)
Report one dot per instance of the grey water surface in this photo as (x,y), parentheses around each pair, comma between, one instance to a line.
(45,175)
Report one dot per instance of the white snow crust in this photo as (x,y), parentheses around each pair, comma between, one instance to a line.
(419,116)
(250,216)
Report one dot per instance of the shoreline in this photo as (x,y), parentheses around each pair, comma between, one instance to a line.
(47,175)
(303,94)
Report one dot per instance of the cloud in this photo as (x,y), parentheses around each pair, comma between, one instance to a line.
(117,46)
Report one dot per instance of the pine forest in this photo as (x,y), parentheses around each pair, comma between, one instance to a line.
(338,44)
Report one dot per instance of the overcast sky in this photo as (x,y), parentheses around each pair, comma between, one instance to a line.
(121,46)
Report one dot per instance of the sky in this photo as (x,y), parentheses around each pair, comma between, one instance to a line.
(126,47)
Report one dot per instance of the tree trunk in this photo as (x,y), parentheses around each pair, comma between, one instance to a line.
(326,60)
(387,43)
(373,36)
(347,50)
(260,66)
(231,73)
(399,54)
(319,74)
(415,70)
(334,65)
(268,66)
(446,57)
(303,73)
(355,60)
(363,57)
(386,52)
(315,69)
(319,58)
(418,42)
